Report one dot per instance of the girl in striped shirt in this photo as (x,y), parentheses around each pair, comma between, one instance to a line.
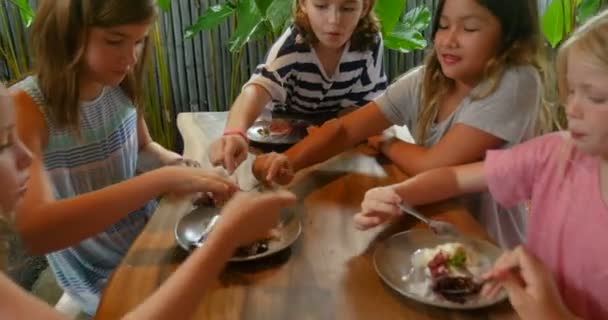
(328,61)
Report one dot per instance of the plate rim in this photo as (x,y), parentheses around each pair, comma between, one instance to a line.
(285,140)
(296,219)
(502,296)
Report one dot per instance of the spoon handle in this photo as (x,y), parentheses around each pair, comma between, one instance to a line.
(408,209)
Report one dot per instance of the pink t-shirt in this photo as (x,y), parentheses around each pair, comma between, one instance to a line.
(568,220)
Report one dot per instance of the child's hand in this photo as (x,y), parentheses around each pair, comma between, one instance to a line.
(250,215)
(273,167)
(378,206)
(228,151)
(376,142)
(532,290)
(184,180)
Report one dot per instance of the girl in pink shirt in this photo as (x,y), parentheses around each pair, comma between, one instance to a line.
(563,268)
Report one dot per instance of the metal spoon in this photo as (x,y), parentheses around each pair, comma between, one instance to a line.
(439,227)
(199,242)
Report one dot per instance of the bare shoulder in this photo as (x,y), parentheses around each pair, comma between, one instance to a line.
(31,123)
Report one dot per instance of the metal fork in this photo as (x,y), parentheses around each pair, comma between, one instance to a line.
(439,227)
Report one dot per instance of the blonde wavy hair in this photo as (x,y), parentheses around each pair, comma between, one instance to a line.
(590,40)
(59,37)
(363,37)
(521,44)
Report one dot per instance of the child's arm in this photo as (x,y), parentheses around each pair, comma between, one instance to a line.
(46,224)
(532,289)
(231,149)
(332,138)
(152,155)
(461,144)
(15,303)
(246,218)
(381,204)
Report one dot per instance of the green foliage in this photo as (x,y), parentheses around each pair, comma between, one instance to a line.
(27,14)
(211,19)
(164,4)
(407,33)
(13,49)
(562,16)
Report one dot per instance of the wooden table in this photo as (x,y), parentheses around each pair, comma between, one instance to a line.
(327,274)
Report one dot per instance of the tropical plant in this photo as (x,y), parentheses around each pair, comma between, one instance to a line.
(562,16)
(13,44)
(258,19)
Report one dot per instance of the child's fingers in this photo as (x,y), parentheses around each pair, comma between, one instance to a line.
(275,167)
(516,289)
(388,209)
(364,221)
(369,219)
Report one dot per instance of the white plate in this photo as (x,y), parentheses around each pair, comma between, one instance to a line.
(392,260)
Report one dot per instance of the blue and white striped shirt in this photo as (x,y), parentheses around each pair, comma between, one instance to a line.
(105,154)
(298,84)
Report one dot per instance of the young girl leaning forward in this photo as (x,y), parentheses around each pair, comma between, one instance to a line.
(565,177)
(329,61)
(245,218)
(81,117)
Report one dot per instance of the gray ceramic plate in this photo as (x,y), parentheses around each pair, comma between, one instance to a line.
(190,227)
(392,260)
(260,133)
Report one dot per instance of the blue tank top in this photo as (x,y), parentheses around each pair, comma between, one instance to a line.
(105,154)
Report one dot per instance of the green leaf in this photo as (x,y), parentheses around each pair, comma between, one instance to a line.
(27,14)
(404,44)
(249,22)
(389,12)
(279,14)
(165,5)
(264,4)
(587,9)
(418,18)
(211,18)
(556,21)
(408,34)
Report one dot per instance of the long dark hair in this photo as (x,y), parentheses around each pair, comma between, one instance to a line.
(521,44)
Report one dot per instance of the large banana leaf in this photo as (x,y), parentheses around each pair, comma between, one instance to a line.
(27,14)
(263,5)
(164,4)
(250,25)
(587,9)
(407,35)
(557,22)
(389,12)
(211,18)
(279,14)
